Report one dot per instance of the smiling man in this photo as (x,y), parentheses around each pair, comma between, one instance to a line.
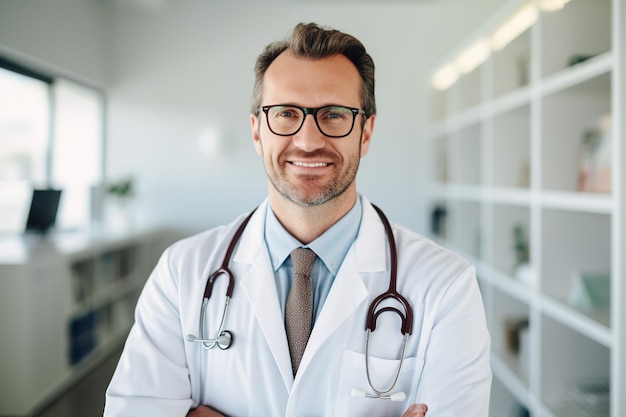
(311,154)
(310,269)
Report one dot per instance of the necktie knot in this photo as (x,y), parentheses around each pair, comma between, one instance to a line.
(302,260)
(299,307)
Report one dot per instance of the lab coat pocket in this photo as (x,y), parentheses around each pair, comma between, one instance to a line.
(352,377)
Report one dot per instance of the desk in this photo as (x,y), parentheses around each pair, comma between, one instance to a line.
(66,301)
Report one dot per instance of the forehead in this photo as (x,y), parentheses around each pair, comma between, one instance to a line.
(312,82)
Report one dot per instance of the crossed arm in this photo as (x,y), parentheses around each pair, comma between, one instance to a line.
(416,410)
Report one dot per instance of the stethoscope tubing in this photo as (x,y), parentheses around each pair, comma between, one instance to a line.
(224,338)
(211,343)
(372,314)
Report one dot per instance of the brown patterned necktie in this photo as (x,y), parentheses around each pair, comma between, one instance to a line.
(299,307)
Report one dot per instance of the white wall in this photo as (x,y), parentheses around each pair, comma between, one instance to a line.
(185,67)
(65,37)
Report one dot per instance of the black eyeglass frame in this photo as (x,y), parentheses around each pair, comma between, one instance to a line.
(312,111)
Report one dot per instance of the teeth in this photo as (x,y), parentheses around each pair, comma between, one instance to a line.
(310,164)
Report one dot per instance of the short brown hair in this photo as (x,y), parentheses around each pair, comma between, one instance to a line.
(314,41)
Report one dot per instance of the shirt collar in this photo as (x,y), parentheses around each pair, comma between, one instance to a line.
(331,247)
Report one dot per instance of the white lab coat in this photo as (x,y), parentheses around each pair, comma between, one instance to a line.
(447,360)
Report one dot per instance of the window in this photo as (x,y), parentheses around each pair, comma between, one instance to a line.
(50,136)
(77,151)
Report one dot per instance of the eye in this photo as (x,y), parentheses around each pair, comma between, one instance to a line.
(285,112)
(336,113)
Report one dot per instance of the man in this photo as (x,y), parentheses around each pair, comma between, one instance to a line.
(276,365)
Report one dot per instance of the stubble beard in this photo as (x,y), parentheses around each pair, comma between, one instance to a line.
(307,192)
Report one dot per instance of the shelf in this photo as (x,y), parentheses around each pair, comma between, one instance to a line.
(459,121)
(469,91)
(527,163)
(456,192)
(578,74)
(464,159)
(575,244)
(556,200)
(510,334)
(510,101)
(510,140)
(576,201)
(512,64)
(579,321)
(463,226)
(105,296)
(86,288)
(568,116)
(512,196)
(563,37)
(506,222)
(509,196)
(562,369)
(519,290)
(512,385)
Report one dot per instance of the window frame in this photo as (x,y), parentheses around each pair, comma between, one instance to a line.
(50,78)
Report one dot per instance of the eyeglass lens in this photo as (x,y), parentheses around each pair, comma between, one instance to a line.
(333,121)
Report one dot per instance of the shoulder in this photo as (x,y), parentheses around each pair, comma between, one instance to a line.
(426,264)
(422,248)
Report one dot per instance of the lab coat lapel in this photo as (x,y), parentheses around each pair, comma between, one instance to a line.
(347,293)
(367,254)
(259,285)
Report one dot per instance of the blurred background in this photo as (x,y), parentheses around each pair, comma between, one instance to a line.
(124,126)
(172,83)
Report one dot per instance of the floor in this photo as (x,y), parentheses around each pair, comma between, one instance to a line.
(86,397)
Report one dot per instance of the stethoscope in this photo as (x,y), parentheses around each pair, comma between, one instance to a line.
(224,338)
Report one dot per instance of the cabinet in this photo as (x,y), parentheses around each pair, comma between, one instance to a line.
(66,302)
(526,179)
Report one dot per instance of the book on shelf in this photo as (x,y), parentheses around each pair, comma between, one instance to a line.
(83,281)
(82,336)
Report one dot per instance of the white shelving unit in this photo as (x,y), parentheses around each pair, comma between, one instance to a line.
(66,302)
(505,151)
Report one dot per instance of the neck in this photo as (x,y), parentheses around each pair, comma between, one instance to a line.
(308,223)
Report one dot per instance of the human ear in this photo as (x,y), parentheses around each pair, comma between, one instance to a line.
(255,125)
(366,134)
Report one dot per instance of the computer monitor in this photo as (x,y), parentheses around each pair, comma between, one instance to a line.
(43,210)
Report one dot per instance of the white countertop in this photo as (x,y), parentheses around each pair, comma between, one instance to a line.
(22,249)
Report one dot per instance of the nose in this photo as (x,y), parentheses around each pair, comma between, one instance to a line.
(309,137)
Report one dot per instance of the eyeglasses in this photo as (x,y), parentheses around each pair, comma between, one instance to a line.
(332,121)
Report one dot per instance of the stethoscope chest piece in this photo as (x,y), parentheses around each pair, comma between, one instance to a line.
(225,340)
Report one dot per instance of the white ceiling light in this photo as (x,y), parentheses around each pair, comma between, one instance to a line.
(514,26)
(473,56)
(445,77)
(552,5)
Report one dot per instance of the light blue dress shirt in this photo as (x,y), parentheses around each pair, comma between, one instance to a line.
(331,248)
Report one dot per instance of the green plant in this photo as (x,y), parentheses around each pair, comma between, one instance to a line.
(122,189)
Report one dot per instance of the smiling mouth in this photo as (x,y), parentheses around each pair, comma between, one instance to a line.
(310,164)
